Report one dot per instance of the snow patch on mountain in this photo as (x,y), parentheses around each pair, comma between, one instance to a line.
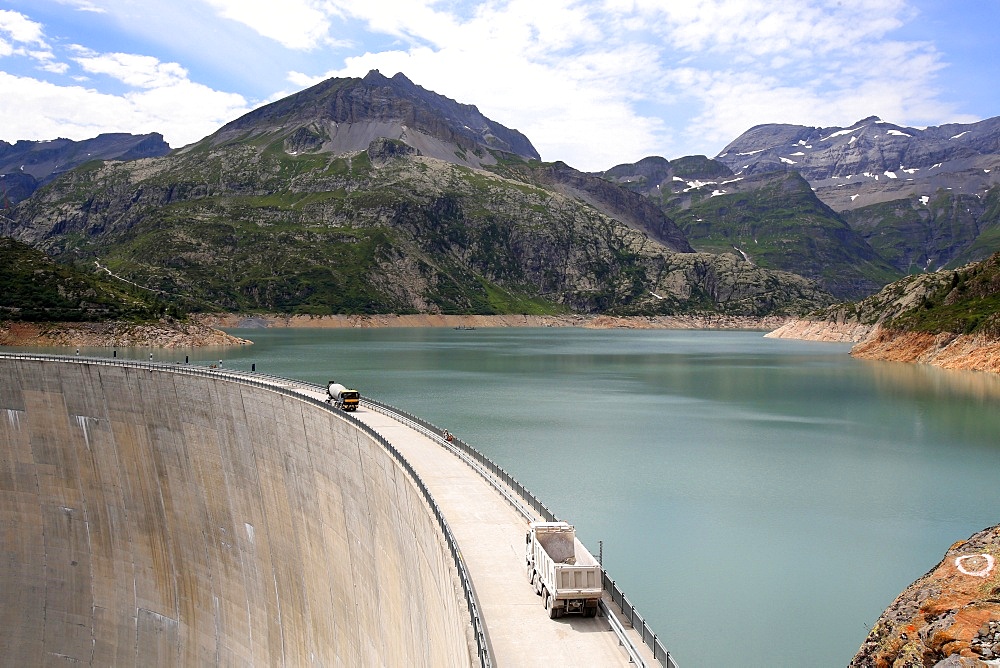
(841,133)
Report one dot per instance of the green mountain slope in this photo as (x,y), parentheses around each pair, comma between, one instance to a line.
(947,229)
(963,301)
(375,195)
(250,226)
(773,220)
(35,288)
(777,221)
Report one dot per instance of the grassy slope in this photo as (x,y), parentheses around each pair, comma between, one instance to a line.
(948,231)
(782,225)
(35,288)
(967,303)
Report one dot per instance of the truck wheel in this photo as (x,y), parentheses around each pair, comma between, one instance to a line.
(549,605)
(590,612)
(536,580)
(531,574)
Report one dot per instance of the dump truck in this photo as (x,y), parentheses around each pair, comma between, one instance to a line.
(341,397)
(562,571)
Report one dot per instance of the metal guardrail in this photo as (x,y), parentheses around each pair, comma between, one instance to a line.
(484,646)
(467,452)
(637,622)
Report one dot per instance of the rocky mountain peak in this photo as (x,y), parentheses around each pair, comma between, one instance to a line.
(873,161)
(344,115)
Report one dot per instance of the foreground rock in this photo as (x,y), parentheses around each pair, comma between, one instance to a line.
(949,617)
(164,334)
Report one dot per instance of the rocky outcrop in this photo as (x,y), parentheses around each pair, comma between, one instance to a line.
(821,330)
(164,334)
(948,618)
(949,319)
(382,150)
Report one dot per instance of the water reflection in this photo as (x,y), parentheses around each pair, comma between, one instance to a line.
(922,380)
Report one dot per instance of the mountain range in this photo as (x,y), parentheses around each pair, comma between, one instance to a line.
(372,194)
(26,165)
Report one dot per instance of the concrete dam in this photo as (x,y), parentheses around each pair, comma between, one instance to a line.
(158,514)
(156,518)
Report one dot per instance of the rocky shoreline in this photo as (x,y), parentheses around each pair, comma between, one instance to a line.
(821,330)
(947,351)
(205,329)
(873,342)
(164,334)
(237,321)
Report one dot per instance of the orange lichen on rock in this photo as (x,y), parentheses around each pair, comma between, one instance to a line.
(949,617)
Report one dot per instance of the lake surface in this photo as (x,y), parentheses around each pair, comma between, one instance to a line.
(760,501)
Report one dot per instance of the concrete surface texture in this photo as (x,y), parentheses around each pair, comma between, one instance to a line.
(153,518)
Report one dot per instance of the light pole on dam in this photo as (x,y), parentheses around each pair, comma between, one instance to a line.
(188,516)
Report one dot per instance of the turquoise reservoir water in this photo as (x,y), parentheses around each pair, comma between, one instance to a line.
(760,501)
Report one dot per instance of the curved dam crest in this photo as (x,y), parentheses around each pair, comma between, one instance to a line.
(151,517)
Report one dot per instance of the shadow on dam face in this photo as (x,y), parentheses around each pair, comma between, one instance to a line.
(155,518)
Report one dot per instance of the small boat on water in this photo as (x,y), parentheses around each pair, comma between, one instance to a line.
(464,327)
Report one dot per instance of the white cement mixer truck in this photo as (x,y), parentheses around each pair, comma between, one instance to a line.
(562,571)
(341,397)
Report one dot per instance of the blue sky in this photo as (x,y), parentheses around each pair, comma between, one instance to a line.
(591,82)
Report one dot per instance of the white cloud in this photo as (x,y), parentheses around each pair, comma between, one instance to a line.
(84,6)
(183,112)
(20,36)
(760,27)
(296,24)
(135,70)
(19,28)
(524,65)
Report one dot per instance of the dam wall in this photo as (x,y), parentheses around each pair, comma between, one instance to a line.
(155,518)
